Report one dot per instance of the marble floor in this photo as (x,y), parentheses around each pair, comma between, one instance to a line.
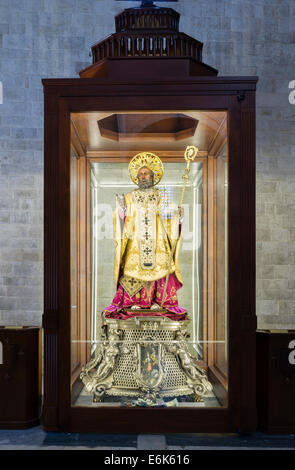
(37,439)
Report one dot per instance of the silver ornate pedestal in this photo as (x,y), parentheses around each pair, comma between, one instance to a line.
(145,357)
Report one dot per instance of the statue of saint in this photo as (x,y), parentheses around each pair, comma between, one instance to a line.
(147,236)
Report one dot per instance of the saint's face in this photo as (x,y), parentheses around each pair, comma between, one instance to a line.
(144,177)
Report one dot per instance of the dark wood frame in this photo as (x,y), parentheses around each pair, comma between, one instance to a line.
(237,97)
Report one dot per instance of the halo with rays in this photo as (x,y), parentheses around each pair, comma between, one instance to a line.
(151,161)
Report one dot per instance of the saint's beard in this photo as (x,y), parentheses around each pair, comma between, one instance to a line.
(147,184)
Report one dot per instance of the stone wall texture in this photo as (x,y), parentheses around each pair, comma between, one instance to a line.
(52,38)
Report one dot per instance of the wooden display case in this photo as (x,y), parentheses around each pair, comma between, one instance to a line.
(132,85)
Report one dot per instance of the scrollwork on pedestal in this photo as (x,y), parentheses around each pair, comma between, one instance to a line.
(146,358)
(105,362)
(99,392)
(196,377)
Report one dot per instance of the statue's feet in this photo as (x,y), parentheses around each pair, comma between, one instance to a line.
(135,307)
(155,307)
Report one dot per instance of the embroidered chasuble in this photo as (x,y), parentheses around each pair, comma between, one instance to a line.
(144,244)
(144,236)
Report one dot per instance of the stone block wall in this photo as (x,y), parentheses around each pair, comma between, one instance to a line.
(52,38)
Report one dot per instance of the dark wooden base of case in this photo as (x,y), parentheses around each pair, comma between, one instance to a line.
(19,424)
(275,383)
(19,378)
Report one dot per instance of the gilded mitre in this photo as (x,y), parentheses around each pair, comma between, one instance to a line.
(149,160)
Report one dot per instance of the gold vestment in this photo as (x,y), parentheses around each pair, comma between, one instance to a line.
(144,243)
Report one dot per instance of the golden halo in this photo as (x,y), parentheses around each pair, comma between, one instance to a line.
(151,161)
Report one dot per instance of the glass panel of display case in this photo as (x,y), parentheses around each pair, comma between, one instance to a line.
(149,259)
(221,265)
